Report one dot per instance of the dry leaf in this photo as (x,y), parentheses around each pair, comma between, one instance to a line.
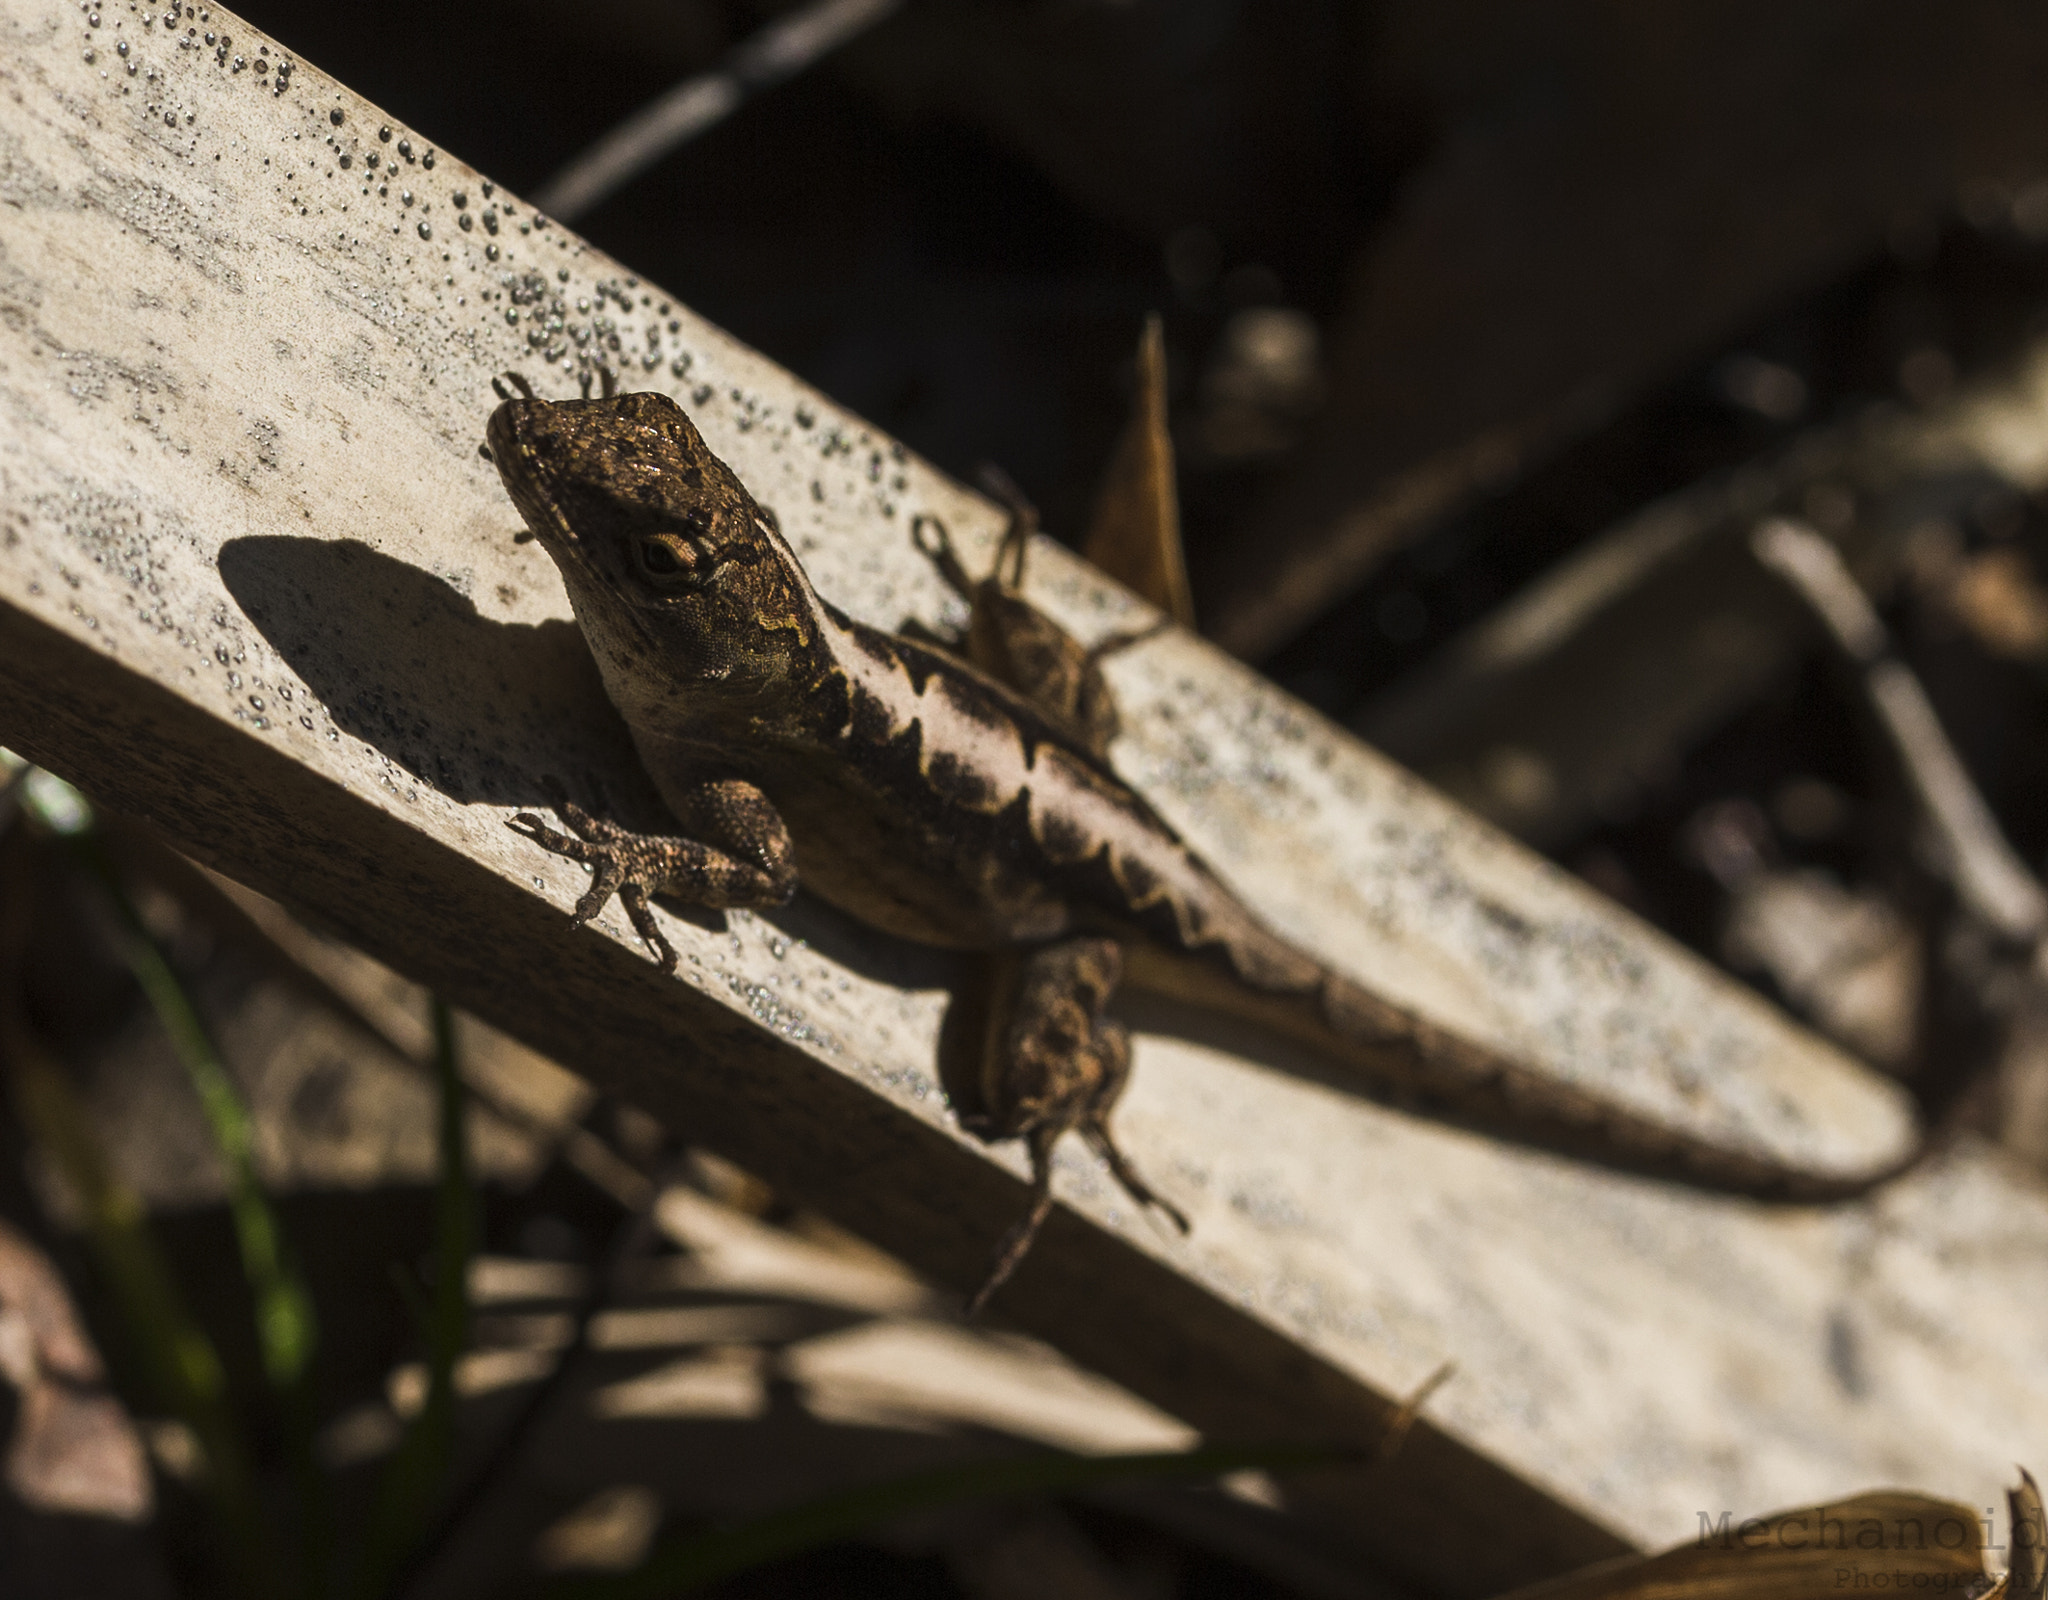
(2027,1566)
(1135,535)
(74,1448)
(1996,598)
(1884,1543)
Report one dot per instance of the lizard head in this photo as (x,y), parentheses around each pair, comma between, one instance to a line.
(674,570)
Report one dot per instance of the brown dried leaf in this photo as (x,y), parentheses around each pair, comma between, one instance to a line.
(1884,1542)
(2027,1572)
(1135,534)
(73,1448)
(31,1288)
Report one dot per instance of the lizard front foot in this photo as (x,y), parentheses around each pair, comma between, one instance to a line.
(630,865)
(749,863)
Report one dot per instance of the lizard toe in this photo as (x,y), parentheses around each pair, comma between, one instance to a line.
(633,896)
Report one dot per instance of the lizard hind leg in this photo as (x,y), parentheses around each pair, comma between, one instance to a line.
(1115,1052)
(1050,1062)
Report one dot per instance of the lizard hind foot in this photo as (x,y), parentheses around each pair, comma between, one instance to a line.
(1097,1133)
(1009,1254)
(1016,1244)
(1018,1241)
(935,544)
(1023,524)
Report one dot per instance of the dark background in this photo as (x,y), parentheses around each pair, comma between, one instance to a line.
(1452,291)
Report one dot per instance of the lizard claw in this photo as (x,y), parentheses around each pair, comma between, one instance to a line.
(935,544)
(634,898)
(607,875)
(529,826)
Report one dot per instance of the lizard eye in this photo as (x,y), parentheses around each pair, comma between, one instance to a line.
(663,560)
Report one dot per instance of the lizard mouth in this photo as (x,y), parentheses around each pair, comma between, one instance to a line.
(534,444)
(520,453)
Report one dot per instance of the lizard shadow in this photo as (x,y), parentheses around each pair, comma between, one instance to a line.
(848,942)
(401,659)
(1145,1012)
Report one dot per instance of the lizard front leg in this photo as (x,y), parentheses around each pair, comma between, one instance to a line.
(1045,1060)
(744,858)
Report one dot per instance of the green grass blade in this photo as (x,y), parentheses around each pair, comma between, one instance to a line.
(455,1205)
(287,1330)
(418,1475)
(179,1361)
(688,1563)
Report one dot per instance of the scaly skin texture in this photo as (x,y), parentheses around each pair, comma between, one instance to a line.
(911,789)
(1018,645)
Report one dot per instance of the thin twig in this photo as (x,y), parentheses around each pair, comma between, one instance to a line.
(1988,875)
(778,52)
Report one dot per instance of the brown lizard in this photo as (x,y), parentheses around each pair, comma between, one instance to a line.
(910,788)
